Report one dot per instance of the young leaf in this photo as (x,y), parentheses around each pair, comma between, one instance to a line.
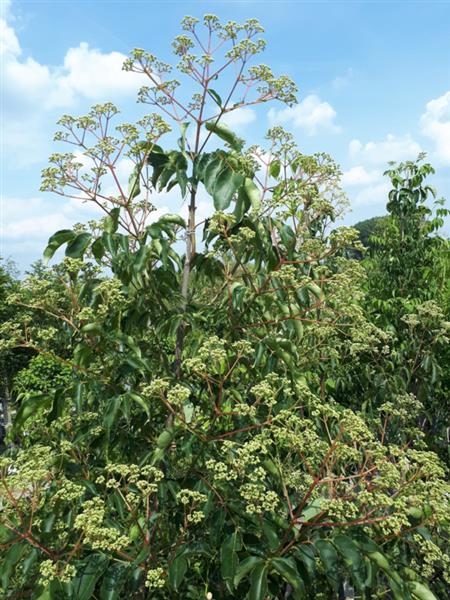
(225,133)
(215,96)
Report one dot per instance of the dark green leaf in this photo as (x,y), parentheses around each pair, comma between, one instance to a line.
(286,567)
(56,240)
(229,558)
(245,567)
(258,582)
(88,575)
(177,571)
(77,247)
(113,581)
(329,558)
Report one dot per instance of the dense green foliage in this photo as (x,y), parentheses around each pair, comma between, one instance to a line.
(259,417)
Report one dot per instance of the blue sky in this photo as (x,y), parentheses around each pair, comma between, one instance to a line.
(373,78)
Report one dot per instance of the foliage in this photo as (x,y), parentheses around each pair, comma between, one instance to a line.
(408,296)
(366,229)
(197,440)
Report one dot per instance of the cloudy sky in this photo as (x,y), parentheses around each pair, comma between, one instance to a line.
(374,81)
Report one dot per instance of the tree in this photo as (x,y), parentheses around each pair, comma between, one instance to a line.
(367,229)
(408,293)
(197,449)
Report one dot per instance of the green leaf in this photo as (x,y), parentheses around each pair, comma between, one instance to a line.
(182,139)
(242,205)
(270,533)
(245,567)
(9,560)
(226,185)
(77,247)
(313,509)
(134,188)
(253,193)
(177,571)
(55,241)
(98,249)
(215,96)
(225,133)
(111,412)
(274,168)
(84,584)
(329,558)
(111,222)
(258,582)
(229,558)
(420,591)
(352,558)
(287,569)
(140,401)
(212,169)
(182,181)
(114,581)
(174,219)
(30,405)
(305,553)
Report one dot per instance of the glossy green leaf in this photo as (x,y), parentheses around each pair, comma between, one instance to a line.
(78,245)
(56,240)
(226,185)
(245,567)
(229,558)
(286,567)
(212,169)
(258,582)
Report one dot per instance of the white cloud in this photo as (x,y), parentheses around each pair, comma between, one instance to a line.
(86,73)
(32,91)
(372,195)
(359,176)
(312,115)
(392,148)
(9,44)
(341,81)
(239,117)
(435,124)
